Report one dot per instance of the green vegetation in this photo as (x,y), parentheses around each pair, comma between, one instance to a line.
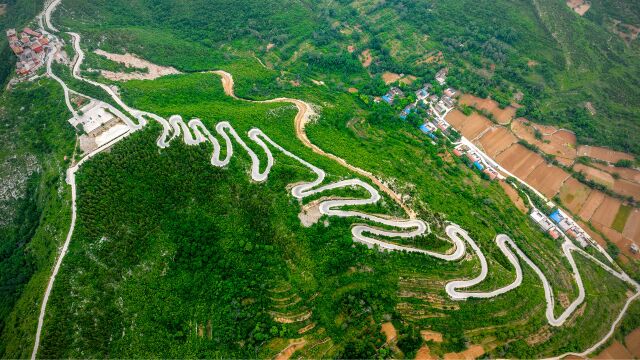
(172,257)
(542,48)
(215,247)
(35,139)
(621,218)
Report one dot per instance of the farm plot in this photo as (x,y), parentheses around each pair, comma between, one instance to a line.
(558,142)
(519,160)
(496,140)
(606,212)
(596,175)
(547,179)
(502,116)
(470,126)
(624,173)
(574,194)
(632,228)
(591,205)
(603,153)
(627,188)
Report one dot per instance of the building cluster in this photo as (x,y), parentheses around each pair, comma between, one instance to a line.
(559,222)
(571,228)
(476,161)
(99,123)
(545,223)
(392,94)
(29,47)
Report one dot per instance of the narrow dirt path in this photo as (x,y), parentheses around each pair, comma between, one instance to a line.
(303,117)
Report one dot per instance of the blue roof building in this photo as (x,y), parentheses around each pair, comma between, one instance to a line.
(425,129)
(478,165)
(556,216)
(388,99)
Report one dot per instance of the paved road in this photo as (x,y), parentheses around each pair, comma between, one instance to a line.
(194,132)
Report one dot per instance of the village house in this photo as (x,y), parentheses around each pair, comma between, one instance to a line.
(29,48)
(390,96)
(441,76)
(450,92)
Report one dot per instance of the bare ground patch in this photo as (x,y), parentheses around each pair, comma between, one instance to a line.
(132,61)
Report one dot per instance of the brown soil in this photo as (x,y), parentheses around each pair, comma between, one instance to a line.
(289,350)
(352,90)
(389,77)
(603,153)
(389,331)
(514,196)
(607,211)
(627,188)
(502,116)
(632,341)
(351,49)
(574,194)
(3,9)
(519,160)
(632,227)
(496,140)
(596,175)
(632,175)
(469,126)
(365,58)
(547,179)
(558,142)
(428,335)
(130,60)
(532,63)
(409,79)
(474,352)
(591,205)
(615,351)
(579,6)
(424,354)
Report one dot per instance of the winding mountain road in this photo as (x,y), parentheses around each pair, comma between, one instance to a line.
(194,132)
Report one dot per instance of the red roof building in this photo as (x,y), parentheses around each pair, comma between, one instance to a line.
(25,39)
(554,234)
(490,173)
(17,49)
(36,46)
(43,40)
(457,152)
(29,31)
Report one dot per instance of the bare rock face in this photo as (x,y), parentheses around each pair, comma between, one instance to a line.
(14,174)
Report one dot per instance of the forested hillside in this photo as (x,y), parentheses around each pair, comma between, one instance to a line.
(172,257)
(559,60)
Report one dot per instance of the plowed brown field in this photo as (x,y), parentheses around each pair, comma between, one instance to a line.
(602,153)
(547,179)
(558,142)
(625,173)
(627,188)
(496,140)
(607,211)
(574,194)
(591,205)
(596,175)
(469,126)
(502,116)
(519,160)
(632,228)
